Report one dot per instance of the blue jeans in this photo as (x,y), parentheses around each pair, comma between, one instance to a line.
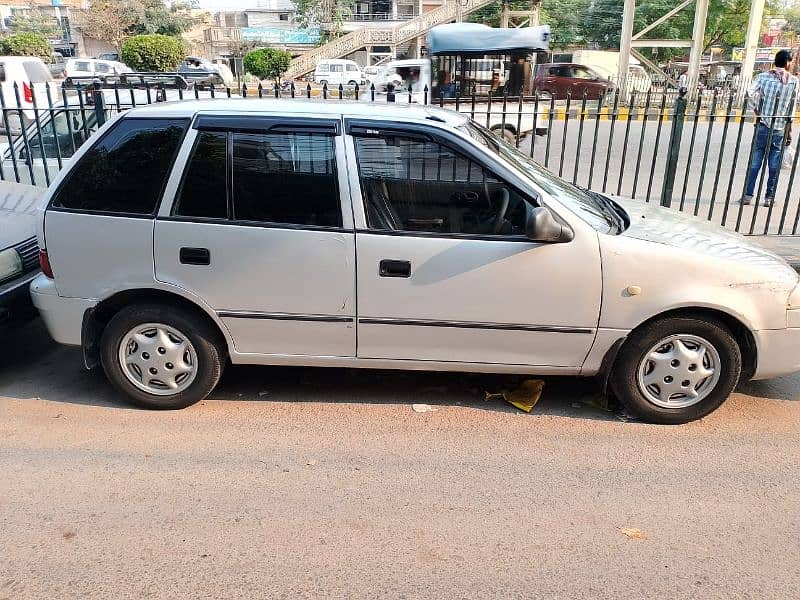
(773,159)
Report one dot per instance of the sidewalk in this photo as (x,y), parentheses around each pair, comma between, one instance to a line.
(787,246)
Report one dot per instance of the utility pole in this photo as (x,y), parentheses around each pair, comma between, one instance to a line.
(751,44)
(626,35)
(529,17)
(698,37)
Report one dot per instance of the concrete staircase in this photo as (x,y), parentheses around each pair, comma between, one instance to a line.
(393,35)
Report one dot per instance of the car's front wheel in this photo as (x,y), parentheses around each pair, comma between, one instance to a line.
(160,356)
(677,369)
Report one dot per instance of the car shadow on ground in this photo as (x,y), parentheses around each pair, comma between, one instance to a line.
(33,366)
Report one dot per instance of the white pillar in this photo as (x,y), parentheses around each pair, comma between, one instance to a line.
(698,35)
(751,43)
(628,12)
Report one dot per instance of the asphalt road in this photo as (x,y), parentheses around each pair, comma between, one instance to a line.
(302,482)
(707,169)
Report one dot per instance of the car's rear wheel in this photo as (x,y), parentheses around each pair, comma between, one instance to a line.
(677,369)
(161,357)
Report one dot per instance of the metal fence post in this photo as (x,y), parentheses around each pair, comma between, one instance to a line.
(676,133)
(99,102)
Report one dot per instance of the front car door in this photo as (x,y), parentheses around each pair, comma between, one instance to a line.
(261,231)
(445,273)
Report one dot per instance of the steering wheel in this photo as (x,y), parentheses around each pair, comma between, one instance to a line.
(501,210)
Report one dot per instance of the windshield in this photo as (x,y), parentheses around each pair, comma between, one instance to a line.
(593,208)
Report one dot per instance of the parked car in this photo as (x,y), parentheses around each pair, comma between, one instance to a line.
(19,252)
(37,156)
(56,65)
(338,71)
(205,74)
(23,71)
(93,67)
(561,79)
(463,254)
(112,56)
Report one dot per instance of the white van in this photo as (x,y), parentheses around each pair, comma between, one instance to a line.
(90,67)
(339,71)
(32,77)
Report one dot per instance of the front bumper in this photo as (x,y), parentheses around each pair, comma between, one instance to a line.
(62,316)
(778,352)
(15,299)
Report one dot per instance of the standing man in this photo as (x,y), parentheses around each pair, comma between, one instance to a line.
(776,87)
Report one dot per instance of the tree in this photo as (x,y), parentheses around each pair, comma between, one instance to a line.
(323,12)
(111,20)
(725,25)
(565,18)
(167,20)
(152,52)
(35,22)
(116,20)
(26,44)
(267,63)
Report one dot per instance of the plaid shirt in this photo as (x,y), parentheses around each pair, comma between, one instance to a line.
(765,89)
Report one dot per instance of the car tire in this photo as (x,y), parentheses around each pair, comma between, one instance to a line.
(194,346)
(658,359)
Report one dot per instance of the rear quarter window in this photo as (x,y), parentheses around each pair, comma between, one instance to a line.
(126,170)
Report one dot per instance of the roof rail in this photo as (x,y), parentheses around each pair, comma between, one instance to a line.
(129,80)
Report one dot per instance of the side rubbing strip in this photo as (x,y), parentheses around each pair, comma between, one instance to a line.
(235,314)
(470,325)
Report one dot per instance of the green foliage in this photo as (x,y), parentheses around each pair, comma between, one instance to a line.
(26,44)
(330,13)
(116,20)
(35,22)
(167,20)
(152,52)
(267,63)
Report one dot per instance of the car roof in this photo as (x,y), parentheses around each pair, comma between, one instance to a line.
(19,59)
(407,62)
(299,106)
(336,60)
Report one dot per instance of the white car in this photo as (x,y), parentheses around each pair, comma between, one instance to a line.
(23,84)
(186,235)
(94,67)
(19,251)
(338,71)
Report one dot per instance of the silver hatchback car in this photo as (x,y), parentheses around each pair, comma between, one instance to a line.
(186,235)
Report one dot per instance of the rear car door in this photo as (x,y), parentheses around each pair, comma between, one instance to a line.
(445,272)
(261,231)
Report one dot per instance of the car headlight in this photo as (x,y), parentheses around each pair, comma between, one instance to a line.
(10,264)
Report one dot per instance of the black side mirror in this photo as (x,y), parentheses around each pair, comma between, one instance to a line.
(541,226)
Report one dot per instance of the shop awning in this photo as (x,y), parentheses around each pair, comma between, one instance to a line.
(477,39)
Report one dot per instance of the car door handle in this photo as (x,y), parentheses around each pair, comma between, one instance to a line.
(195,256)
(395,268)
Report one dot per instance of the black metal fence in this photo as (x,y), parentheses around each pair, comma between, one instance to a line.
(690,153)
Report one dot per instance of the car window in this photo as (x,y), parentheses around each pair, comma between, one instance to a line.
(352,67)
(336,68)
(66,128)
(581,73)
(324,68)
(82,66)
(411,184)
(203,189)
(125,171)
(102,68)
(286,178)
(36,72)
